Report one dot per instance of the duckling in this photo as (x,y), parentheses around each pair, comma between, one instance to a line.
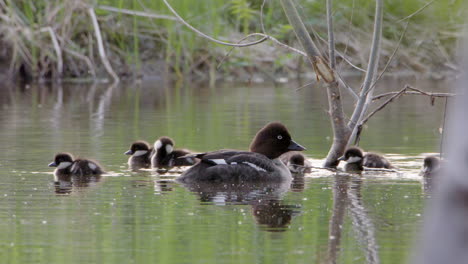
(356,160)
(431,166)
(296,162)
(261,163)
(140,152)
(166,157)
(67,165)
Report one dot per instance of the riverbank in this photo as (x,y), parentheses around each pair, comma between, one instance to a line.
(142,39)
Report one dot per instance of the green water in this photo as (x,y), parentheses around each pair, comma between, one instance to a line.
(143,217)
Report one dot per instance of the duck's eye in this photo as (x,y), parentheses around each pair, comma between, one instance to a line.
(279,137)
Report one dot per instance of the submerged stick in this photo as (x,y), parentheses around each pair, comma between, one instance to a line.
(102,52)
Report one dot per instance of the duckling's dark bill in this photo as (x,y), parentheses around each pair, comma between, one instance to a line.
(53,164)
(342,158)
(129,152)
(294,146)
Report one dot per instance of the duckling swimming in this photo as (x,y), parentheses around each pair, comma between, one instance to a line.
(356,160)
(140,152)
(166,157)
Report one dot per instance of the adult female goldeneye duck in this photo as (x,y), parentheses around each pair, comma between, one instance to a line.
(66,165)
(166,157)
(296,162)
(262,163)
(356,160)
(140,152)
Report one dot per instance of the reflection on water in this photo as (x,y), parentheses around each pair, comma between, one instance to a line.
(65,184)
(145,216)
(264,198)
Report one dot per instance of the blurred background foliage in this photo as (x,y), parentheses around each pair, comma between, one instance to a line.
(143,46)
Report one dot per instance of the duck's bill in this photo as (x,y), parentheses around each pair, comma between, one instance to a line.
(342,158)
(128,152)
(53,164)
(294,146)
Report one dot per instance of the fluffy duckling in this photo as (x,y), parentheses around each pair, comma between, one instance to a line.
(166,157)
(296,162)
(356,160)
(140,152)
(66,165)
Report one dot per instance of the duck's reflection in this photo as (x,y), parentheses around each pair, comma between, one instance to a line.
(347,195)
(268,208)
(66,184)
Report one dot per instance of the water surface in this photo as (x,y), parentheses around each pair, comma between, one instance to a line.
(143,217)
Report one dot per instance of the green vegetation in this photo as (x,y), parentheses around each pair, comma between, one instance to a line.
(137,45)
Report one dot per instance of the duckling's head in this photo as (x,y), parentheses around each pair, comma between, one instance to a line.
(431,164)
(62,161)
(352,155)
(164,144)
(297,159)
(273,140)
(138,148)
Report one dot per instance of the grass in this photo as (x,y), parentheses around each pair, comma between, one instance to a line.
(134,42)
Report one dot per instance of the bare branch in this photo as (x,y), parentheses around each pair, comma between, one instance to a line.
(380,96)
(209,37)
(57,48)
(417,11)
(365,94)
(102,51)
(392,56)
(331,37)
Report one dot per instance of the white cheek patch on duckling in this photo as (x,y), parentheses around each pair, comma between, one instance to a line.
(169,149)
(92,166)
(157,144)
(354,159)
(254,166)
(64,165)
(218,161)
(140,153)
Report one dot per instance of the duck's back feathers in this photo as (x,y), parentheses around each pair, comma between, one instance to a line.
(231,165)
(84,167)
(373,160)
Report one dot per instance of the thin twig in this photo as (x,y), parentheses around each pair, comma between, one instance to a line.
(209,37)
(261,16)
(85,58)
(417,11)
(431,94)
(389,100)
(267,37)
(443,129)
(135,13)
(392,56)
(102,52)
(380,169)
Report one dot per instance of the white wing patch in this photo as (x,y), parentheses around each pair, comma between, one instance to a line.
(254,166)
(92,166)
(219,161)
(64,165)
(354,159)
(157,144)
(140,152)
